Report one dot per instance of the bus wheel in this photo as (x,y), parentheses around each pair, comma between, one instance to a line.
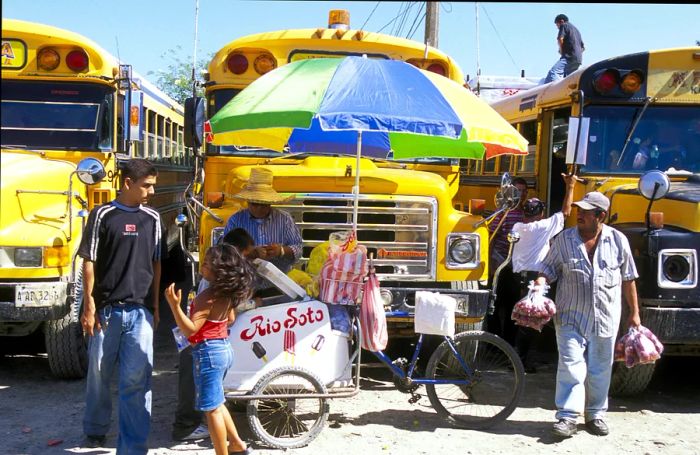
(630,381)
(467,326)
(66,346)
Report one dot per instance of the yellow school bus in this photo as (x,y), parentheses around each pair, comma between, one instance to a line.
(643,114)
(406,215)
(70,115)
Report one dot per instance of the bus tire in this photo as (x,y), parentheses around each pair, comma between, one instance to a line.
(467,326)
(630,381)
(66,347)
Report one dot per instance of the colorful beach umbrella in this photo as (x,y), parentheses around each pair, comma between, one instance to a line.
(374,106)
(319,105)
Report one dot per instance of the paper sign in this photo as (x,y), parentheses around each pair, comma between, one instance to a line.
(582,140)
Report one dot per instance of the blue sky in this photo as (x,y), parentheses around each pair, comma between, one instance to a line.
(513,36)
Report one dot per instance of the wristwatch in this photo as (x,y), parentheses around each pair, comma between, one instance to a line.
(281,250)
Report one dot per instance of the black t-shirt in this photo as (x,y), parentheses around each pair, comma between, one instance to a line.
(123,242)
(572,47)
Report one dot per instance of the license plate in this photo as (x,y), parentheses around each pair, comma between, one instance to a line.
(40,294)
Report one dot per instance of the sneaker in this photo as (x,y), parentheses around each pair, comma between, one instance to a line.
(201,432)
(597,427)
(94,441)
(564,428)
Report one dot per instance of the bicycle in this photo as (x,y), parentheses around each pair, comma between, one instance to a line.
(473,380)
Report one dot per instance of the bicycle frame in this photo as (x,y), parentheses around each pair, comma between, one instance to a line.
(398,372)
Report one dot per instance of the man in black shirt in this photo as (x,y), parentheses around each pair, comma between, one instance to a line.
(570,48)
(121,250)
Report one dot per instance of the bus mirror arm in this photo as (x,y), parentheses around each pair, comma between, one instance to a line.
(206,209)
(513,238)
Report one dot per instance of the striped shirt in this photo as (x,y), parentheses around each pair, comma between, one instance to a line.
(500,241)
(277,227)
(589,295)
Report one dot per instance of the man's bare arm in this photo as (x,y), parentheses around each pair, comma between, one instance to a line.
(629,293)
(89,321)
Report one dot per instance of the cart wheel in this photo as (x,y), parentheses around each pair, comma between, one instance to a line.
(288,423)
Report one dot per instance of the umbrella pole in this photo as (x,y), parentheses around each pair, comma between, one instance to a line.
(356,188)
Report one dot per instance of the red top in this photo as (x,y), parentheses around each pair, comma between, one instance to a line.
(211,330)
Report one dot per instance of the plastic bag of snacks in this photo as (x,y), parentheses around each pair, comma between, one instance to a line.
(317,258)
(535,309)
(638,346)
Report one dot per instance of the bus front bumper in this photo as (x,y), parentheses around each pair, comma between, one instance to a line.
(34,301)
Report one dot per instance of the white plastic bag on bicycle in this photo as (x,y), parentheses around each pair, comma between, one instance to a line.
(435,314)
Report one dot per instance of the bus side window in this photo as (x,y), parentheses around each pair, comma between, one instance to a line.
(120,123)
(489,166)
(526,164)
(560,134)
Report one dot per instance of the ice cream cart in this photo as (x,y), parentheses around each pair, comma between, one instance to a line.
(289,359)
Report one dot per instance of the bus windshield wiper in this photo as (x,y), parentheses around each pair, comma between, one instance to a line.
(635,122)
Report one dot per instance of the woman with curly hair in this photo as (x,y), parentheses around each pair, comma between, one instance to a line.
(231,282)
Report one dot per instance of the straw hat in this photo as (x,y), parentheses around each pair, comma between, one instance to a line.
(259,188)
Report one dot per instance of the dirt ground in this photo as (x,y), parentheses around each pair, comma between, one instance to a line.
(42,415)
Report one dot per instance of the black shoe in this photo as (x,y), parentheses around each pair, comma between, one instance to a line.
(565,428)
(93,441)
(597,427)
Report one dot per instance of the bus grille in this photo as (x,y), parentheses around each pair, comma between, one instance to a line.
(399,230)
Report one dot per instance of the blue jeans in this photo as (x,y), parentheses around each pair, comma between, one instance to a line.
(211,361)
(583,374)
(126,339)
(561,69)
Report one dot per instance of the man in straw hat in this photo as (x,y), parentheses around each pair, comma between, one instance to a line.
(594,266)
(276,236)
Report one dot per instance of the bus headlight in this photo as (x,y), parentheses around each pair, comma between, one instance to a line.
(216,234)
(28,257)
(462,251)
(677,269)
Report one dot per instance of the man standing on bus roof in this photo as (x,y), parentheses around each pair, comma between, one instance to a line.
(122,247)
(570,49)
(594,267)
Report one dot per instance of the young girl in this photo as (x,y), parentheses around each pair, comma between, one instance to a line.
(231,280)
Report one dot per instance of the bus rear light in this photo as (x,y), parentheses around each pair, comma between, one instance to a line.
(264,63)
(606,80)
(438,69)
(237,63)
(48,59)
(632,81)
(77,60)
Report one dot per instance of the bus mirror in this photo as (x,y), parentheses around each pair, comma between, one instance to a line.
(654,185)
(194,122)
(505,180)
(90,171)
(577,141)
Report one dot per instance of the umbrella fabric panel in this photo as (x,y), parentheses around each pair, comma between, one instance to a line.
(482,122)
(407,146)
(375,144)
(385,95)
(287,97)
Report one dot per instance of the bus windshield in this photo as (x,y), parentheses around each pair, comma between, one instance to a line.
(666,138)
(56,115)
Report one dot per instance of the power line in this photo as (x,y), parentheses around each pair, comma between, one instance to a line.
(405,18)
(389,23)
(397,26)
(370,16)
(499,37)
(417,26)
(414,26)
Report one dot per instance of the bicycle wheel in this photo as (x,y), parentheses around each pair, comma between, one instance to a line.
(288,423)
(496,380)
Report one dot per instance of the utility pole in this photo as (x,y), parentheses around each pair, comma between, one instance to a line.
(432,23)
